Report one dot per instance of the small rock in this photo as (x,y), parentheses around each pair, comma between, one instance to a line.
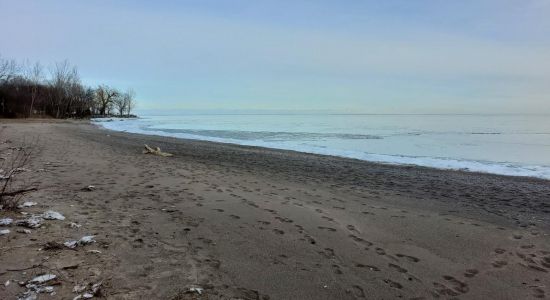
(4,231)
(52,215)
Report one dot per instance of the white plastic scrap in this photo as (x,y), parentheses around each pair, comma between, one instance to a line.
(85,240)
(42,278)
(6,221)
(4,231)
(32,222)
(89,188)
(27,204)
(197,290)
(52,215)
(90,293)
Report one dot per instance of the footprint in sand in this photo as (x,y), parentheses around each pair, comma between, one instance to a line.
(471,273)
(327,228)
(539,293)
(408,257)
(357,291)
(398,268)
(372,268)
(393,284)
(499,264)
(336,269)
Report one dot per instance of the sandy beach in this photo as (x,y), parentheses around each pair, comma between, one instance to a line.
(220,221)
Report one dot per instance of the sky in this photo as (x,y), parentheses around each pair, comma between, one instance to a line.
(432,56)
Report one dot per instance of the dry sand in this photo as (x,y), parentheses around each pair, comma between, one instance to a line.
(254,223)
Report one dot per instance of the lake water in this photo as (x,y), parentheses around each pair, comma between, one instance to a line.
(501,144)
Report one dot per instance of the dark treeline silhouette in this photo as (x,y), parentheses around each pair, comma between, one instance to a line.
(27,91)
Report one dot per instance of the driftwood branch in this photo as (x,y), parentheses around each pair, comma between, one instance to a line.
(155,151)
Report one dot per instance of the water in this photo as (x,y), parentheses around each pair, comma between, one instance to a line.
(501,144)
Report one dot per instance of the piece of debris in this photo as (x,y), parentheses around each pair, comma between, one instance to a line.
(85,240)
(7,283)
(74,225)
(32,222)
(197,290)
(6,221)
(94,290)
(94,251)
(4,231)
(52,215)
(28,295)
(27,204)
(79,288)
(89,188)
(156,151)
(25,231)
(42,278)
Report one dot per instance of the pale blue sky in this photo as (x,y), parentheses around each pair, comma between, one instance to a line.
(489,56)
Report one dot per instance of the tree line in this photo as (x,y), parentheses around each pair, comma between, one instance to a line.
(28,90)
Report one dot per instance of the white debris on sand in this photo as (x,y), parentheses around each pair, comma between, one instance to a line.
(94,251)
(89,188)
(32,222)
(27,204)
(6,221)
(197,290)
(85,240)
(74,225)
(90,292)
(42,278)
(79,288)
(52,215)
(4,231)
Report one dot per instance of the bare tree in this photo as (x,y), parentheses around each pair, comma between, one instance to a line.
(8,69)
(35,76)
(120,103)
(105,96)
(129,97)
(64,76)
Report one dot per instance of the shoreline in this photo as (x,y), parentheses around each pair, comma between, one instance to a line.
(261,223)
(440,163)
(244,146)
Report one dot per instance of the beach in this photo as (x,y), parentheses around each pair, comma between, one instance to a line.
(222,221)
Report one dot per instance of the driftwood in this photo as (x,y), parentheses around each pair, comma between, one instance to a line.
(156,151)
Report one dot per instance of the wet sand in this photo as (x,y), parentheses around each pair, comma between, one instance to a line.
(255,223)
